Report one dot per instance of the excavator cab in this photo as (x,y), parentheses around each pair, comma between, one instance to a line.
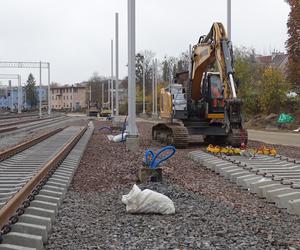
(215,94)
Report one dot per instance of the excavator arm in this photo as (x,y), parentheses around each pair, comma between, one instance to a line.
(215,48)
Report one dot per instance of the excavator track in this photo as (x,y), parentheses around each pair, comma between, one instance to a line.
(237,137)
(171,133)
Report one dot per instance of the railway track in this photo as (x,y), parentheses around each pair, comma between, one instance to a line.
(276,179)
(20,122)
(20,127)
(32,169)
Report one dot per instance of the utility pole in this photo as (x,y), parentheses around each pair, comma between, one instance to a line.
(112,76)
(153,87)
(190,60)
(117,63)
(132,140)
(49,91)
(144,85)
(102,93)
(40,91)
(72,96)
(11,96)
(19,95)
(229,19)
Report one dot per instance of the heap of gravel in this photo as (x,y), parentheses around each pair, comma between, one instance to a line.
(99,220)
(211,212)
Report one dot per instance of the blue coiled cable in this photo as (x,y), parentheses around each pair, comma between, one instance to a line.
(154,161)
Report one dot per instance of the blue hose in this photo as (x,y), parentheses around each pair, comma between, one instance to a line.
(154,162)
(105,127)
(124,128)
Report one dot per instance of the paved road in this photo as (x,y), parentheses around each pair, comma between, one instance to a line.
(291,139)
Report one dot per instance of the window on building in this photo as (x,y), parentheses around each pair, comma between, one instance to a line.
(75,90)
(52,97)
(67,105)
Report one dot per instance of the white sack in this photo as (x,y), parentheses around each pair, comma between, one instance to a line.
(147,201)
(117,138)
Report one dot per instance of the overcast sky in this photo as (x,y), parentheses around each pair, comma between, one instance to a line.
(74,35)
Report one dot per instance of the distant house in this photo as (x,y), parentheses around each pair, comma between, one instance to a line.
(68,98)
(9,97)
(277,59)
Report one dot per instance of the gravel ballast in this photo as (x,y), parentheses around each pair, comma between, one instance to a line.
(211,213)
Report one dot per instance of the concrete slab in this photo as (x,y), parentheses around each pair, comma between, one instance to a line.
(46,198)
(282,200)
(32,229)
(41,212)
(38,220)
(14,247)
(25,240)
(132,143)
(224,169)
(263,182)
(294,206)
(272,193)
(217,167)
(45,205)
(261,191)
(51,193)
(239,179)
(233,177)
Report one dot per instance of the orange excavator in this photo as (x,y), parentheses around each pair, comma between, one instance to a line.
(208,104)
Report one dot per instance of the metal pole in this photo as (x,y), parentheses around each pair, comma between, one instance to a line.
(90,97)
(190,59)
(117,64)
(72,93)
(49,91)
(229,19)
(102,94)
(19,95)
(112,76)
(153,87)
(40,91)
(144,85)
(11,96)
(132,129)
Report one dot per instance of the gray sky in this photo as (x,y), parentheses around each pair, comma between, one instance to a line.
(74,35)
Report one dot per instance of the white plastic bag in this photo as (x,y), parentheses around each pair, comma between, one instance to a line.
(147,201)
(117,138)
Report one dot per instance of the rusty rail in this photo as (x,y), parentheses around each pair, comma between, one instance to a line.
(9,211)
(21,147)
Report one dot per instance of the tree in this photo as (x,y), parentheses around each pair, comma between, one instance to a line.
(30,89)
(293,44)
(169,68)
(274,89)
(145,57)
(248,73)
(95,85)
(183,62)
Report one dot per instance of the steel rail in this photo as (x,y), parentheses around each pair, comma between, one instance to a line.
(9,211)
(8,124)
(25,145)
